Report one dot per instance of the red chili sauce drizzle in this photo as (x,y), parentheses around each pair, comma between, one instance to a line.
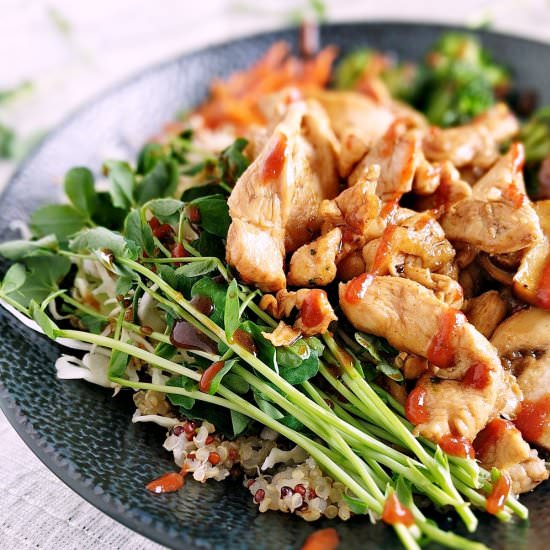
(357,288)
(499,494)
(389,209)
(323,539)
(517,150)
(185,336)
(477,376)
(275,160)
(514,195)
(394,512)
(415,407)
(245,340)
(490,435)
(208,375)
(167,483)
(512,192)
(383,250)
(441,350)
(543,288)
(457,445)
(311,311)
(533,418)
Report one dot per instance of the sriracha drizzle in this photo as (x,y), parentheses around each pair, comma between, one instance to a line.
(394,512)
(490,435)
(275,160)
(533,418)
(357,288)
(415,407)
(543,287)
(167,483)
(441,350)
(477,376)
(499,494)
(311,311)
(457,445)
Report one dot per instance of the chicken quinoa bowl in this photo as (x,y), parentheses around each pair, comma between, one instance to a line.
(331,279)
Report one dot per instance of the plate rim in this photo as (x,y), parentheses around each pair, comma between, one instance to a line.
(48,454)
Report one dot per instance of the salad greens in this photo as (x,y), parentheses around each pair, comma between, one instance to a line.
(319,393)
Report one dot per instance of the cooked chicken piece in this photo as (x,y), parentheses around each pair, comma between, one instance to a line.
(354,110)
(474,143)
(444,287)
(397,154)
(523,342)
(528,282)
(280,305)
(505,179)
(316,313)
(427,176)
(528,474)
(412,319)
(257,137)
(442,407)
(498,218)
(451,189)
(274,106)
(500,445)
(352,150)
(486,312)
(402,311)
(257,253)
(274,205)
(426,240)
(501,123)
(314,264)
(313,160)
(418,235)
(493,227)
(356,211)
(406,113)
(283,335)
(356,206)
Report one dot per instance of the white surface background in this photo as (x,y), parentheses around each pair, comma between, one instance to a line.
(72,49)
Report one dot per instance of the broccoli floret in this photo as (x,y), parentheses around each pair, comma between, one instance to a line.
(459,80)
(535,135)
(456,81)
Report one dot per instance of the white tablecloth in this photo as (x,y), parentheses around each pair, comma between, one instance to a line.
(70,50)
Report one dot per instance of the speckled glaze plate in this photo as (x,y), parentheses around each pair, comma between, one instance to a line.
(84,435)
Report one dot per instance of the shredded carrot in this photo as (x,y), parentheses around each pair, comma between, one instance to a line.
(235,100)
